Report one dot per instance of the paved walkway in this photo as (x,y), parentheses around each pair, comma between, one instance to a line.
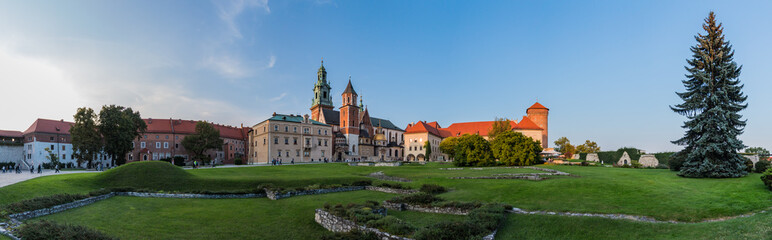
(9,178)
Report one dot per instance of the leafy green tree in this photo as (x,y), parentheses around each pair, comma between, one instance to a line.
(473,150)
(448,146)
(428,149)
(205,138)
(86,140)
(711,103)
(563,145)
(588,147)
(516,149)
(500,125)
(758,150)
(119,126)
(52,157)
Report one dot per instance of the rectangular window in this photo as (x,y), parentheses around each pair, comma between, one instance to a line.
(320,143)
(52,147)
(157,144)
(325,142)
(166,144)
(295,129)
(279,153)
(52,138)
(142,144)
(64,156)
(176,145)
(306,153)
(286,153)
(319,131)
(276,128)
(322,153)
(325,132)
(132,145)
(306,130)
(276,140)
(308,142)
(286,141)
(295,141)
(297,153)
(231,147)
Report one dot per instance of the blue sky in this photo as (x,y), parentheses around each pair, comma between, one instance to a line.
(608,70)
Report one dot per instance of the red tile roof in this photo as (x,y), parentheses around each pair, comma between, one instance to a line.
(538,105)
(422,127)
(480,128)
(526,123)
(10,133)
(49,126)
(457,129)
(178,126)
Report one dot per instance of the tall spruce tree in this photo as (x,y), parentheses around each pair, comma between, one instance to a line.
(711,103)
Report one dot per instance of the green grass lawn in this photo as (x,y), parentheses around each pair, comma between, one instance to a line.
(420,220)
(3,237)
(657,193)
(651,192)
(163,218)
(561,227)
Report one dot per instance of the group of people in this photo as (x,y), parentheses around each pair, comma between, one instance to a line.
(279,161)
(17,169)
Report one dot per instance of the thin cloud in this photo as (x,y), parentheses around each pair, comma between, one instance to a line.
(280,97)
(229,11)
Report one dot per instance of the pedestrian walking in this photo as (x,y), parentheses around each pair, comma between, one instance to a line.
(57,168)
(40,169)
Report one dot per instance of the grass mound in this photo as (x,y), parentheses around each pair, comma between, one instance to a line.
(150,175)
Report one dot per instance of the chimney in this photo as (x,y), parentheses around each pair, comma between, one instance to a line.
(305,118)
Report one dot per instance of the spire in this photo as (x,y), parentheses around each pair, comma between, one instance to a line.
(361,105)
(349,88)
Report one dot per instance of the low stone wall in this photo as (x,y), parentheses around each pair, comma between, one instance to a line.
(391,190)
(191,195)
(376,164)
(408,207)
(339,224)
(58,208)
(526,177)
(381,176)
(458,168)
(276,195)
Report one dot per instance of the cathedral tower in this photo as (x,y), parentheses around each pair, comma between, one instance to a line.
(539,114)
(349,118)
(322,95)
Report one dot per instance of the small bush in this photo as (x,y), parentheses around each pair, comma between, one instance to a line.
(355,234)
(362,183)
(392,225)
(450,231)
(661,166)
(51,230)
(392,185)
(766,177)
(636,164)
(585,163)
(43,202)
(238,161)
(433,189)
(458,205)
(677,161)
(761,166)
(420,198)
(748,165)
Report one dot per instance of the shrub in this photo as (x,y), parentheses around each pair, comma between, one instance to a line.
(761,166)
(677,160)
(748,165)
(392,185)
(392,225)
(661,166)
(488,216)
(238,161)
(458,205)
(585,163)
(420,198)
(433,189)
(355,234)
(766,177)
(51,230)
(450,231)
(362,183)
(42,202)
(636,164)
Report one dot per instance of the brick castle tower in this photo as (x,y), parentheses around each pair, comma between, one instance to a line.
(539,114)
(349,118)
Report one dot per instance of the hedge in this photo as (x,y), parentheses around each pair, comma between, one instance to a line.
(51,230)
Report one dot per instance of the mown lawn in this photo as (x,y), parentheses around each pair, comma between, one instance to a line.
(561,227)
(652,192)
(163,218)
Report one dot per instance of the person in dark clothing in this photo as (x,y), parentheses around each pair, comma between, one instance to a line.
(57,168)
(40,169)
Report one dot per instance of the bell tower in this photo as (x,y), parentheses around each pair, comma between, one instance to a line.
(349,118)
(322,95)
